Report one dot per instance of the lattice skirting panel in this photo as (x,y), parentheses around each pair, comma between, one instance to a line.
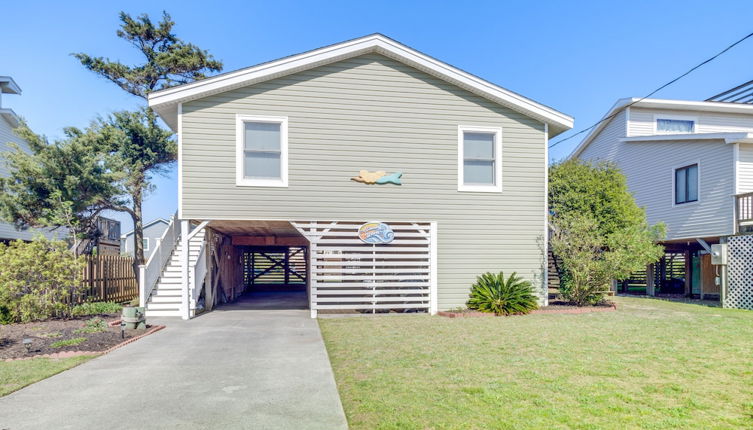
(739,272)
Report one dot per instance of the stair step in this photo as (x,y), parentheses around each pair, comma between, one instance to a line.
(163,313)
(164,292)
(175,300)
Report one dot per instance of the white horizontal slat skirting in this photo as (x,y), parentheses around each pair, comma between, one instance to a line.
(344,269)
(348,274)
(341,292)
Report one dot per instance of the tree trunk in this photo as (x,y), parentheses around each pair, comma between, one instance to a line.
(138,232)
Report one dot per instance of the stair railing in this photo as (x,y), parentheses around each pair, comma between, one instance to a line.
(197,273)
(150,272)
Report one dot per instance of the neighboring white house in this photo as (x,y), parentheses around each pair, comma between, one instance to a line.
(366,173)
(8,121)
(689,164)
(153,231)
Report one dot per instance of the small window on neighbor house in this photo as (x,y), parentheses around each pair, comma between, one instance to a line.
(145,243)
(262,151)
(674,126)
(479,163)
(686,184)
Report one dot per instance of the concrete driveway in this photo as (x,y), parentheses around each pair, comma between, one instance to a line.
(257,364)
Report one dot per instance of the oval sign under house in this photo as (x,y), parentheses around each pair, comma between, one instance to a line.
(376,233)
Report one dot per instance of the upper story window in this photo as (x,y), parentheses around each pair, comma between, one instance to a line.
(675,125)
(262,151)
(480,159)
(145,243)
(686,184)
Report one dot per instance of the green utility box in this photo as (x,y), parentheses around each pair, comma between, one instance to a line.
(134,317)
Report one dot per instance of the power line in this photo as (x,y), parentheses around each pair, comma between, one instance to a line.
(654,91)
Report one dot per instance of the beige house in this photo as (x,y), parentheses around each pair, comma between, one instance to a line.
(368,174)
(690,165)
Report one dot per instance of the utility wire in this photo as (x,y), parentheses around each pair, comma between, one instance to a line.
(654,91)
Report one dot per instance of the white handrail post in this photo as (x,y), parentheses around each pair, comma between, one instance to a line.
(433,300)
(184,269)
(142,285)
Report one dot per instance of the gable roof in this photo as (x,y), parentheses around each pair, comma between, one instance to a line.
(686,105)
(165,102)
(145,226)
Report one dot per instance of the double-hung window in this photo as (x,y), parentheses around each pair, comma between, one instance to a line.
(686,184)
(262,151)
(480,159)
(145,243)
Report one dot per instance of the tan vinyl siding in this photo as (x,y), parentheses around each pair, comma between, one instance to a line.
(745,168)
(374,113)
(642,121)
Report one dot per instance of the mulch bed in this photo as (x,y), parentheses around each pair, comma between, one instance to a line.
(555,307)
(45,333)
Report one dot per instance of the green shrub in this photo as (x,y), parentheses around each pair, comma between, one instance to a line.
(493,293)
(94,325)
(67,342)
(96,308)
(38,280)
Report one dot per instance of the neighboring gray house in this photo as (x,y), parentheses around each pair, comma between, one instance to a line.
(8,121)
(366,173)
(153,231)
(690,165)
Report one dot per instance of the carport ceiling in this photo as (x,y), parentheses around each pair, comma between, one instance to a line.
(255,228)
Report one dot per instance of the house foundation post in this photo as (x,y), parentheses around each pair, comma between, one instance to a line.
(185,226)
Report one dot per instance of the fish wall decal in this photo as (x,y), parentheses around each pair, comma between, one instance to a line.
(378,177)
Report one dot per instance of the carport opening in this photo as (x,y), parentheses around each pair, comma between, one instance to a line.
(264,265)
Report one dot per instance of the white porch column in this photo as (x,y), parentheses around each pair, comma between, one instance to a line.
(142,286)
(185,227)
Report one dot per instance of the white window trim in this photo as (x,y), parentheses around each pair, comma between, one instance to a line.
(240,179)
(674,170)
(676,117)
(497,187)
(146,248)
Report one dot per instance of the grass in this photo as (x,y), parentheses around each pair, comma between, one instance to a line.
(67,342)
(15,375)
(651,364)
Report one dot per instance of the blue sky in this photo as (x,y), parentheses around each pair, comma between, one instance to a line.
(577,57)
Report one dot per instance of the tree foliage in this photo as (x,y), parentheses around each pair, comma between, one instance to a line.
(599,232)
(67,182)
(168,60)
(38,280)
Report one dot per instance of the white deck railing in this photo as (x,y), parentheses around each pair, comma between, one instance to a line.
(198,271)
(150,272)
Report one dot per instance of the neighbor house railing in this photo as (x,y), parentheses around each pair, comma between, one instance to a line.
(744,209)
(151,271)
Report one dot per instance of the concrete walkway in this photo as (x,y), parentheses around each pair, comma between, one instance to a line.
(259,363)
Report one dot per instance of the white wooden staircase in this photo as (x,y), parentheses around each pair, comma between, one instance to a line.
(166,297)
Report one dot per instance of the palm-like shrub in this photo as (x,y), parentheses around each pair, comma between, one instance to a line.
(493,293)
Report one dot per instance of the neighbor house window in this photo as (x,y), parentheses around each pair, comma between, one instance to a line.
(145,243)
(686,184)
(480,159)
(674,125)
(262,151)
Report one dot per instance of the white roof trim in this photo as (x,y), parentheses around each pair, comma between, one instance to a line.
(741,137)
(688,105)
(9,86)
(10,116)
(165,101)
(150,223)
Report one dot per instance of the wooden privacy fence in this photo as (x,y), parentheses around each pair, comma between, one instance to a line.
(109,278)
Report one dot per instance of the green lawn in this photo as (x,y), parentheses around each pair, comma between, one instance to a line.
(15,375)
(651,364)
